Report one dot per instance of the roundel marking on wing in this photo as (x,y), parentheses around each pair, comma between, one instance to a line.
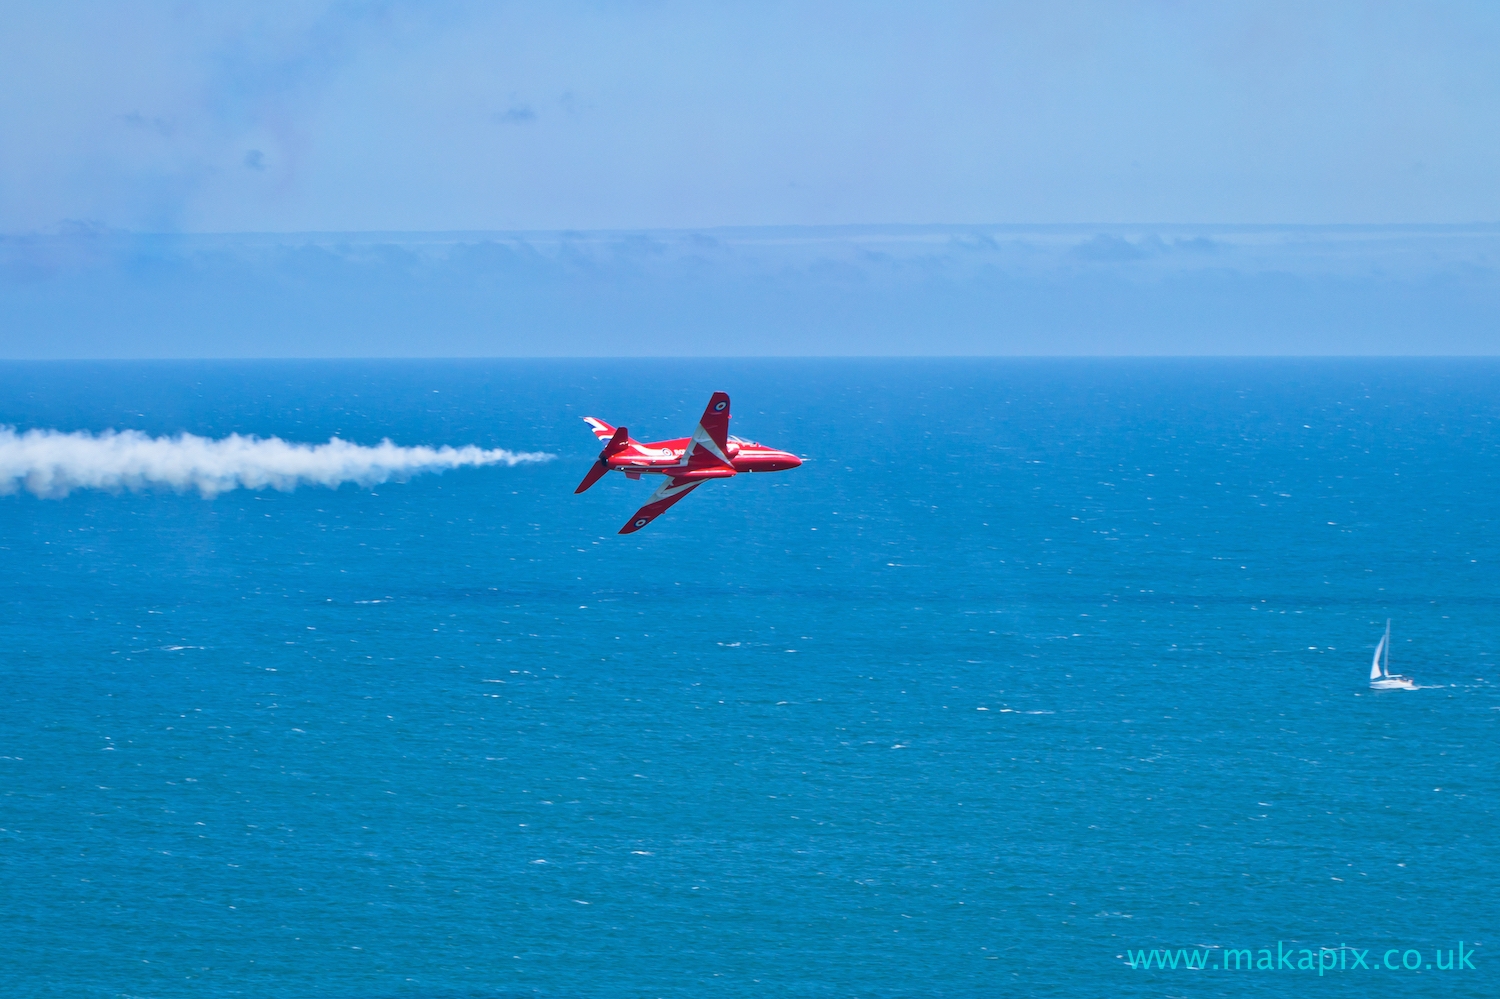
(641,522)
(719,406)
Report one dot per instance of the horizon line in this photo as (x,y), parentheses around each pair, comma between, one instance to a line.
(84,228)
(394,358)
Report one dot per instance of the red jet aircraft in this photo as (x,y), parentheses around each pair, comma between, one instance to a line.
(688,462)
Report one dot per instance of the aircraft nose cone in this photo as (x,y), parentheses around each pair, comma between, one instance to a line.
(789,460)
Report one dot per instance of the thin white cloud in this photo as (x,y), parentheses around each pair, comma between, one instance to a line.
(51,464)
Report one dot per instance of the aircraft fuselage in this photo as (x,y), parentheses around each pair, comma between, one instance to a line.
(668,458)
(686,462)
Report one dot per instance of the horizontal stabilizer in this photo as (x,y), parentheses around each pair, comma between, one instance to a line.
(618,441)
(594,474)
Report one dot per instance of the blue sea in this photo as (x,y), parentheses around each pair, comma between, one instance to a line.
(1033,667)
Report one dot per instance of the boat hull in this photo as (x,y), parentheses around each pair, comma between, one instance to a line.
(1393,683)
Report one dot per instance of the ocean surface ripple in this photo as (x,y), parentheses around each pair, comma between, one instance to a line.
(1031,664)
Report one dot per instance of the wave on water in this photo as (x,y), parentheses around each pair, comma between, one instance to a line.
(51,464)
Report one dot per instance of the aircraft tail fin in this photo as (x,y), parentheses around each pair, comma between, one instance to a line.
(601,430)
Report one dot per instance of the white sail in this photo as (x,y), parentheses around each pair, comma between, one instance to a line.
(1375,664)
(1385,663)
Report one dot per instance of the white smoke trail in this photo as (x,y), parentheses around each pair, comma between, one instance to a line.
(52,464)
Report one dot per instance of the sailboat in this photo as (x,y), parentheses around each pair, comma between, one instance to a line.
(1381,677)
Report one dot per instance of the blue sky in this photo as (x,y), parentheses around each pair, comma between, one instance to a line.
(238,116)
(133,129)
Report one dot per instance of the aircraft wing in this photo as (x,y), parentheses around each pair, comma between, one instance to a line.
(670,492)
(710,441)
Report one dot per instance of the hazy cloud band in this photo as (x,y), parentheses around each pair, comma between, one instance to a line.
(51,464)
